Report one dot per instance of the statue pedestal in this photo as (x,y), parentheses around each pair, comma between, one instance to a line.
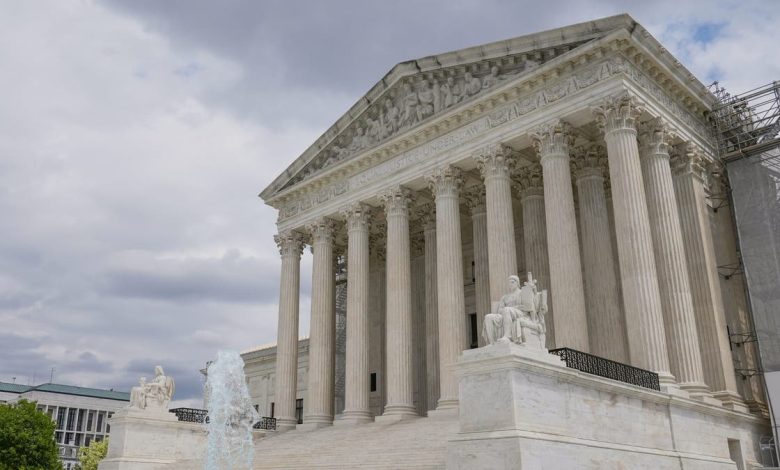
(521,408)
(149,439)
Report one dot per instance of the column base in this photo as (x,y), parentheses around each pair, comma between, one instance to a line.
(313,422)
(394,413)
(699,392)
(447,404)
(286,424)
(731,401)
(354,417)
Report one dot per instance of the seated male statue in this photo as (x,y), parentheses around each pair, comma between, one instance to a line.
(519,316)
(155,394)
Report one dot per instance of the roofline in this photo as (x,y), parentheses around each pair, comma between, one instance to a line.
(433,62)
(36,388)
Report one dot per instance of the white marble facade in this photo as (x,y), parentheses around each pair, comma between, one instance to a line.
(581,154)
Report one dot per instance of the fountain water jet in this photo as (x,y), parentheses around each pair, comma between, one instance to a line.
(230,414)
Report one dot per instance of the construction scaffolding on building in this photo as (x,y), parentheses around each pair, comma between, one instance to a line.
(747,130)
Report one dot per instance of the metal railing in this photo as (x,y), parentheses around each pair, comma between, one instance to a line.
(265,423)
(606,368)
(190,415)
(195,415)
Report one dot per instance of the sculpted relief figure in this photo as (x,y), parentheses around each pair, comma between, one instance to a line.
(154,395)
(490,79)
(409,103)
(426,98)
(519,316)
(472,85)
(390,120)
(450,92)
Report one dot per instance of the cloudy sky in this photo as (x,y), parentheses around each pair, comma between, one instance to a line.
(136,135)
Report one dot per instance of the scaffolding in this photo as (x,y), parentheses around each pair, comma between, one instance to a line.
(746,128)
(747,124)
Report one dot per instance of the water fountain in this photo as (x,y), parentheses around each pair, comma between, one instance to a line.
(230,415)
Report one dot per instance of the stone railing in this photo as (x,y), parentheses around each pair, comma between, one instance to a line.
(606,368)
(195,415)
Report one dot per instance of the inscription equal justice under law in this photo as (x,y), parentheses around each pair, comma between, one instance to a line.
(419,154)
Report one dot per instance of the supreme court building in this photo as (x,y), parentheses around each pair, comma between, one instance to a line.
(583,155)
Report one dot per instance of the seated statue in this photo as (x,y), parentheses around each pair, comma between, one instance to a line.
(155,394)
(519,316)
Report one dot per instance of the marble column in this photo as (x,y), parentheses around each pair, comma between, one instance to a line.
(445,184)
(322,334)
(551,142)
(606,323)
(475,199)
(531,191)
(679,320)
(431,306)
(642,300)
(357,386)
(688,180)
(290,245)
(398,323)
(495,163)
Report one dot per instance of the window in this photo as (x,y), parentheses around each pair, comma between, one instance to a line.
(299,410)
(80,425)
(58,437)
(99,427)
(71,418)
(87,440)
(373,381)
(60,418)
(272,409)
(90,415)
(473,337)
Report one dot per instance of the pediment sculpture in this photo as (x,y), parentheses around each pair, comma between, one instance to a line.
(408,104)
(519,316)
(154,395)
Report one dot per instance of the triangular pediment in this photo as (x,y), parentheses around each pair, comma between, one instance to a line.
(414,92)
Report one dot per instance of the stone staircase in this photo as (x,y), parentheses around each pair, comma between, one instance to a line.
(419,443)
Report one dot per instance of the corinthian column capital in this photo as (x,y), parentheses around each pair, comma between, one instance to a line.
(358,216)
(475,198)
(688,159)
(552,138)
(445,181)
(321,230)
(589,161)
(290,243)
(618,113)
(396,200)
(655,138)
(529,181)
(495,160)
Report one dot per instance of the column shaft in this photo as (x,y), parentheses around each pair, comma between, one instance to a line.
(566,288)
(445,184)
(398,326)
(644,317)
(535,238)
(495,162)
(606,323)
(679,319)
(322,335)
(290,247)
(357,387)
(475,198)
(431,311)
(717,364)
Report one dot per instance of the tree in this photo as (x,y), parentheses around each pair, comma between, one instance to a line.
(27,438)
(90,457)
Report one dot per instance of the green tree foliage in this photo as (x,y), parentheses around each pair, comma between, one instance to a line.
(90,457)
(26,438)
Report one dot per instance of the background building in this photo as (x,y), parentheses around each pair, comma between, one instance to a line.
(81,413)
